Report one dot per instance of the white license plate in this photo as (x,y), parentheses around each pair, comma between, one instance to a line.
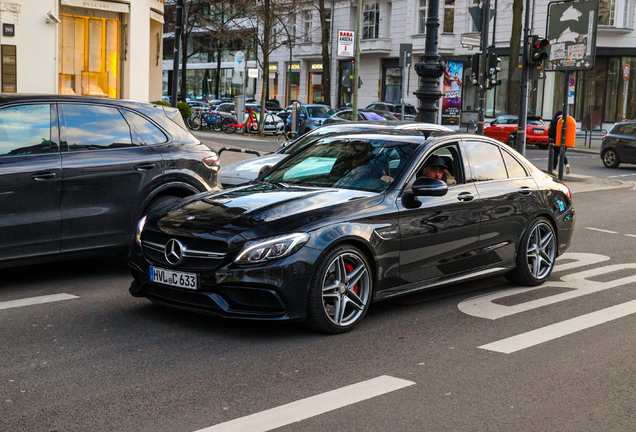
(174,278)
(538,131)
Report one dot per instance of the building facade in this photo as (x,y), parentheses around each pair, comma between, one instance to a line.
(93,48)
(597,95)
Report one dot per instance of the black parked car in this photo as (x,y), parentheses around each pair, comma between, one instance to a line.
(77,173)
(350,220)
(619,145)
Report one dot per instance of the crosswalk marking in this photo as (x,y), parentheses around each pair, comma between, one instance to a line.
(563,328)
(36,300)
(311,406)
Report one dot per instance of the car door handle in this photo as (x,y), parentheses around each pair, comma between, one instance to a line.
(465,196)
(44,176)
(525,190)
(144,167)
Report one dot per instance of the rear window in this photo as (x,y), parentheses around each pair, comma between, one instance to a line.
(410,110)
(373,116)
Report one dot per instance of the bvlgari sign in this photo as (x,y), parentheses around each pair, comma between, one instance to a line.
(101,5)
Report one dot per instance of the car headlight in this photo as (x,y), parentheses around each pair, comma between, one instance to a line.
(271,248)
(140,228)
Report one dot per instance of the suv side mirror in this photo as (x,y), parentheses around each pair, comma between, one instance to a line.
(426,186)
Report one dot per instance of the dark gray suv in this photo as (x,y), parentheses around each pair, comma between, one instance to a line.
(76,173)
(619,145)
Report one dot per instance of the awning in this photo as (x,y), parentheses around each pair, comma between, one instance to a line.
(101,5)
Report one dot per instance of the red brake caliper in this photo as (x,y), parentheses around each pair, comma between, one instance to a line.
(349,268)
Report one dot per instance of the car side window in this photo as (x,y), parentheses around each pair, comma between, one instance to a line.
(487,161)
(514,167)
(94,127)
(346,115)
(26,130)
(148,132)
(452,173)
(630,129)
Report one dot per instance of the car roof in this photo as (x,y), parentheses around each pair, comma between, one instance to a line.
(27,97)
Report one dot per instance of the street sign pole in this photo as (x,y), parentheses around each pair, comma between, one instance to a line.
(626,76)
(523,103)
(485,20)
(356,66)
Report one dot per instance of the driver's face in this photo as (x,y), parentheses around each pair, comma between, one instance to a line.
(433,172)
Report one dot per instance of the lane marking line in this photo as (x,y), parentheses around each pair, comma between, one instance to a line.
(601,230)
(630,235)
(563,328)
(36,300)
(312,406)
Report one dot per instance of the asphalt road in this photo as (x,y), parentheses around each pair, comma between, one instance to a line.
(559,357)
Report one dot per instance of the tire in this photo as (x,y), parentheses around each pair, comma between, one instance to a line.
(195,123)
(216,127)
(281,138)
(543,146)
(610,158)
(158,202)
(512,141)
(536,255)
(227,127)
(333,305)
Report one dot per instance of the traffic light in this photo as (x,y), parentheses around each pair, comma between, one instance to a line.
(538,51)
(492,70)
(474,68)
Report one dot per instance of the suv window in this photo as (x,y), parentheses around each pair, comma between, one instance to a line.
(26,130)
(487,161)
(148,132)
(93,127)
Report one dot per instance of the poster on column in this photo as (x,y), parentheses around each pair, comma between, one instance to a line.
(452,89)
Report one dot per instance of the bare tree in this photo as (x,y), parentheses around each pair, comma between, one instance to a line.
(271,17)
(324,42)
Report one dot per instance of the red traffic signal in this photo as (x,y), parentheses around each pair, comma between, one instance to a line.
(538,51)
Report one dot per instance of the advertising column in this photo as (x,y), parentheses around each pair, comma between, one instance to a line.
(452,89)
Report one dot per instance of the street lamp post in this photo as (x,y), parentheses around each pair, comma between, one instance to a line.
(430,69)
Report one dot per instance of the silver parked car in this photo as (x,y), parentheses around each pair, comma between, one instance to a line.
(247,170)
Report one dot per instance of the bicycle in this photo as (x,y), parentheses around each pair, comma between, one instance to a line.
(230,125)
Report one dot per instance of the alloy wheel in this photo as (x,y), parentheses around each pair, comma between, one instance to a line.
(541,250)
(345,289)
(609,158)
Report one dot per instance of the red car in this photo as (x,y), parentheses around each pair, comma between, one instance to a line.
(504,129)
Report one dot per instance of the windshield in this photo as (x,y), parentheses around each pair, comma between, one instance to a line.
(320,133)
(320,112)
(349,163)
(373,116)
(535,122)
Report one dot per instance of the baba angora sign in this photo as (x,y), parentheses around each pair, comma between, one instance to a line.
(572,34)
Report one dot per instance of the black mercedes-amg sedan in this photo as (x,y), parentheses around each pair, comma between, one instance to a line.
(354,219)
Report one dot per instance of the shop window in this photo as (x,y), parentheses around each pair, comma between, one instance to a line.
(89,61)
(449,16)
(371,21)
(421,11)
(393,85)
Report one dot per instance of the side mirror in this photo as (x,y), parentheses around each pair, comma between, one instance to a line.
(425,186)
(492,123)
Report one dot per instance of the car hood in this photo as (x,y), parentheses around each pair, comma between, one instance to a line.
(262,210)
(248,169)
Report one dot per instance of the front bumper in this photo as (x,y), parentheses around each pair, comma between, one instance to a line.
(276,290)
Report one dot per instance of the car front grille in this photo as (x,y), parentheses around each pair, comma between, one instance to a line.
(199,254)
(252,298)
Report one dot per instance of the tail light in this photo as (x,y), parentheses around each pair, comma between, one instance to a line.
(566,190)
(397,115)
(211,161)
(604,136)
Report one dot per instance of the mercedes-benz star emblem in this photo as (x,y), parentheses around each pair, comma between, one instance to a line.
(174,251)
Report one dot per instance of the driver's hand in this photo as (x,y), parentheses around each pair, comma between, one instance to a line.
(387,179)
